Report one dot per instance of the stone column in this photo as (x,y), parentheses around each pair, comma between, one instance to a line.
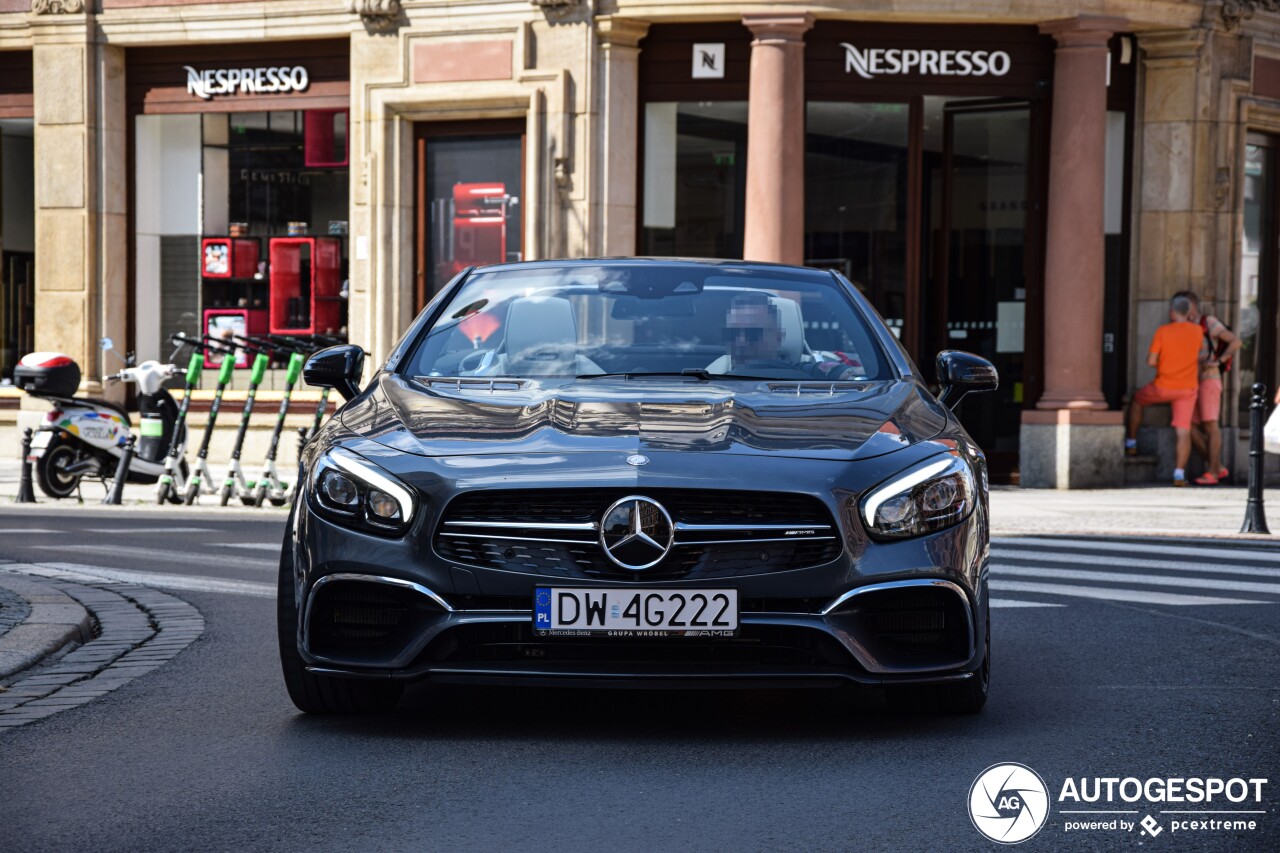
(775,138)
(617,143)
(1072,441)
(68,295)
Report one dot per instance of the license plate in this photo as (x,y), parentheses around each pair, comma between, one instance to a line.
(39,442)
(636,612)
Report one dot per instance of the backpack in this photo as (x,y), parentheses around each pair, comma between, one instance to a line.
(1225,366)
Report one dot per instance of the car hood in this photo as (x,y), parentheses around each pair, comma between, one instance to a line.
(816,421)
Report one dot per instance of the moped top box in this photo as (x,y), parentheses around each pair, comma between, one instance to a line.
(47,374)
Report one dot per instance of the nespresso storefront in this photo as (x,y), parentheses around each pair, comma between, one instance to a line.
(240,191)
(925,170)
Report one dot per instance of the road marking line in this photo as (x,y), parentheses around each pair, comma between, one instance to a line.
(1248,555)
(119,530)
(1017,602)
(1146,580)
(27,530)
(251,546)
(1107,594)
(1003,554)
(178,557)
(192,583)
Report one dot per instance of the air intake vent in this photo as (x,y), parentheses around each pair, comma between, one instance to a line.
(822,389)
(488,386)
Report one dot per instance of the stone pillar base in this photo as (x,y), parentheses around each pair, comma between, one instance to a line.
(1067,449)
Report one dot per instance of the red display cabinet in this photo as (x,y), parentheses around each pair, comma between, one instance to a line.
(238,321)
(479,225)
(306,285)
(229,257)
(325,138)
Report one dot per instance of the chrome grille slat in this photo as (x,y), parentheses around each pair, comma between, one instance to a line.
(500,529)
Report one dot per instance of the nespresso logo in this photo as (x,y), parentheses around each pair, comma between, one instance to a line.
(255,81)
(873,62)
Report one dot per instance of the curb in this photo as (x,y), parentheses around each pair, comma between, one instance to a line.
(54,623)
(140,630)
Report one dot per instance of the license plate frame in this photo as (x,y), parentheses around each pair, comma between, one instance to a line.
(622,612)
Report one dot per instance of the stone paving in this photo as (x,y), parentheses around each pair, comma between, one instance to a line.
(13,609)
(139,629)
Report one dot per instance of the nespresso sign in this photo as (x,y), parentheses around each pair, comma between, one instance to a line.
(252,81)
(877,61)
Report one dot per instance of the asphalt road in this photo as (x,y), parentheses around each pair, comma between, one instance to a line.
(1122,661)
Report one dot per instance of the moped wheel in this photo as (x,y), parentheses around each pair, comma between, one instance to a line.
(51,470)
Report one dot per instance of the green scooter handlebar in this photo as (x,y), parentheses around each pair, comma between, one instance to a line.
(194,366)
(296,361)
(260,362)
(227,369)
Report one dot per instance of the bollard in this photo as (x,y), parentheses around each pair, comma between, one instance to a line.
(116,495)
(1255,515)
(26,494)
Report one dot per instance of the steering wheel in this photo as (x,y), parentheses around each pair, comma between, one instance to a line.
(472,360)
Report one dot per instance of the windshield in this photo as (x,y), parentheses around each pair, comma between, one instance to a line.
(602,320)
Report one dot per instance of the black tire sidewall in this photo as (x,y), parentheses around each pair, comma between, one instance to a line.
(49,484)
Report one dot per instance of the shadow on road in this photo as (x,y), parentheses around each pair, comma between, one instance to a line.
(543,714)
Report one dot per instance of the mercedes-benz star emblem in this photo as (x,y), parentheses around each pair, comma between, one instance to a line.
(636,532)
(637,460)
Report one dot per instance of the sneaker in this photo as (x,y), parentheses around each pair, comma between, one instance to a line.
(1206,480)
(1180,483)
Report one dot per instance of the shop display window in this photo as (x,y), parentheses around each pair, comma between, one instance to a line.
(241,219)
(694,179)
(472,204)
(17,244)
(225,323)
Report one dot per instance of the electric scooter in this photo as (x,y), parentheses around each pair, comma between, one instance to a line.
(269,485)
(226,369)
(234,482)
(84,437)
(173,479)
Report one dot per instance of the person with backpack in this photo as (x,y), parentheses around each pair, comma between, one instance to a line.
(1217,349)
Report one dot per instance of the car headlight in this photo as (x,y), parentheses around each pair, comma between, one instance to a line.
(352,490)
(925,498)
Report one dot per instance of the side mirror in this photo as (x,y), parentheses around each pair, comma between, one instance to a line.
(337,367)
(106,344)
(962,372)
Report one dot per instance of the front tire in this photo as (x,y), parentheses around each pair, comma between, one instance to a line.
(51,469)
(320,694)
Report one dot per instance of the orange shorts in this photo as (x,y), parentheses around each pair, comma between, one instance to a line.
(1183,401)
(1208,401)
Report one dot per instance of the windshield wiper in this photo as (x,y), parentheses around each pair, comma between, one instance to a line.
(696,372)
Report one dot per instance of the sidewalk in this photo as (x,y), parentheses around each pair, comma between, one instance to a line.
(1215,511)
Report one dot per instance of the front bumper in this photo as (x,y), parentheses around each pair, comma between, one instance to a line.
(905,611)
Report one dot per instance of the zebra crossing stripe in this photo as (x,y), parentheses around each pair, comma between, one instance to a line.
(1146,580)
(1002,556)
(1218,550)
(1019,602)
(1115,594)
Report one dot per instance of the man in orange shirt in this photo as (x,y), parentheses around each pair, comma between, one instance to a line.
(1175,354)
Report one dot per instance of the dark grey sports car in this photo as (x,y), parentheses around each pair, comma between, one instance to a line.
(657,472)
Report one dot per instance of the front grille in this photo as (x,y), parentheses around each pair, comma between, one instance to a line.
(524,603)
(719,534)
(757,645)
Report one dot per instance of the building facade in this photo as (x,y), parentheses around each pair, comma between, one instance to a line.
(1027,181)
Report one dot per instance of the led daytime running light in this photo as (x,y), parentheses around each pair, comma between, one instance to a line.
(897,487)
(357,467)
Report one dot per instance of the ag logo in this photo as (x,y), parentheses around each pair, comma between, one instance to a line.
(1008,803)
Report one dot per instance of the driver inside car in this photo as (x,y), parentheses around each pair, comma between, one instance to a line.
(757,336)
